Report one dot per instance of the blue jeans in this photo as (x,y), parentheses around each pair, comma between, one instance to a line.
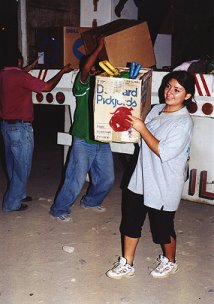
(19,144)
(95,159)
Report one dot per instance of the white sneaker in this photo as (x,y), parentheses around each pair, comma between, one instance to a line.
(164,268)
(62,218)
(98,209)
(121,269)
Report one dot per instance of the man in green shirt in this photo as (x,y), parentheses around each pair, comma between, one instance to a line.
(86,155)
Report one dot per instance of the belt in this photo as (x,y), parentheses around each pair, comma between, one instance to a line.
(14,121)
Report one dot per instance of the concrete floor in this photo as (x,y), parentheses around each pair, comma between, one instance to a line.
(36,270)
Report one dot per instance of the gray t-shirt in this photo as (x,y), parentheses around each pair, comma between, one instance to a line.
(161,179)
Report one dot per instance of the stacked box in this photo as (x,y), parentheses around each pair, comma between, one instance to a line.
(116,98)
(58,46)
(125,41)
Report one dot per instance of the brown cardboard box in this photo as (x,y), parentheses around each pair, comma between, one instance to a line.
(126,41)
(60,45)
(73,45)
(114,99)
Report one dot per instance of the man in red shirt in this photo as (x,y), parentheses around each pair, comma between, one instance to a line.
(16,116)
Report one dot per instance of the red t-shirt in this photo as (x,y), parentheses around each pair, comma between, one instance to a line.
(16,87)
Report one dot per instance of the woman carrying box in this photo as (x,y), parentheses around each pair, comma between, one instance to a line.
(157,181)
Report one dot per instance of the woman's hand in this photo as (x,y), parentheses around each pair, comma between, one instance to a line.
(151,141)
(136,123)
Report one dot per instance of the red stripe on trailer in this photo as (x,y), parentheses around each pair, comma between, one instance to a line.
(40,73)
(205,85)
(198,86)
(45,73)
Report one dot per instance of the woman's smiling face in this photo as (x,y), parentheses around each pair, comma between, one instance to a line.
(175,94)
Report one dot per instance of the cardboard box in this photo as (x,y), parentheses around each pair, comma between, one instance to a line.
(59,46)
(114,99)
(126,41)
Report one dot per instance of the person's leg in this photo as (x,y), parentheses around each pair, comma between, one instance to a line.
(162,227)
(75,176)
(133,216)
(19,145)
(102,176)
(169,250)
(7,151)
(129,248)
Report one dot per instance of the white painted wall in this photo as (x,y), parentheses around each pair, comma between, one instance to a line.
(163,50)
(202,157)
(105,12)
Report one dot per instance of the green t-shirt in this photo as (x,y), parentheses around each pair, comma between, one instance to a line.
(83,117)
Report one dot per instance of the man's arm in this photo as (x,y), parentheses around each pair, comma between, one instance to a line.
(51,83)
(92,59)
(30,66)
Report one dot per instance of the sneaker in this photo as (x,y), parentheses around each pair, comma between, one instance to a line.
(62,218)
(121,269)
(98,209)
(164,268)
(23,207)
(27,199)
